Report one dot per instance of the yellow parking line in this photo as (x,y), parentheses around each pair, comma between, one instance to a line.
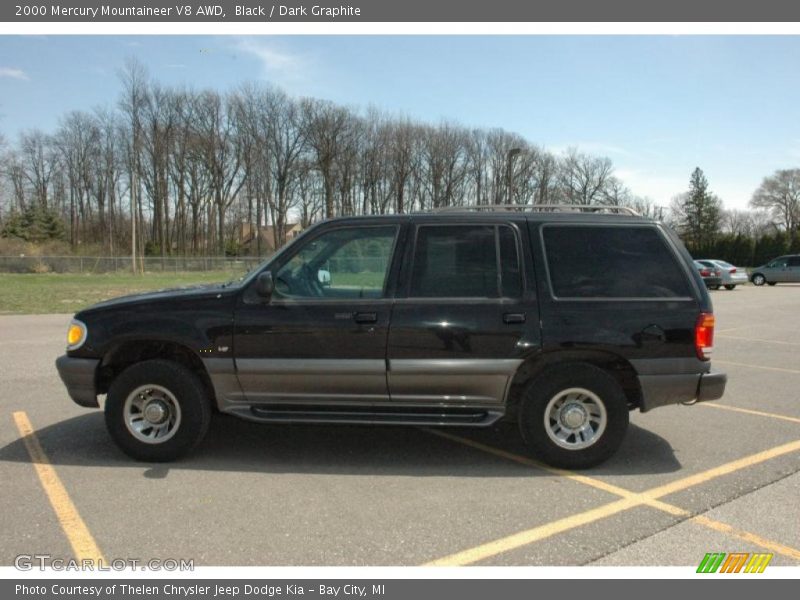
(764,367)
(571,475)
(747,339)
(748,411)
(726,469)
(629,500)
(747,536)
(75,529)
(529,462)
(536,534)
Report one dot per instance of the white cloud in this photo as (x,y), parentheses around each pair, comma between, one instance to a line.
(14,73)
(662,187)
(794,150)
(644,182)
(595,148)
(277,65)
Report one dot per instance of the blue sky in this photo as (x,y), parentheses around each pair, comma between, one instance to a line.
(656,105)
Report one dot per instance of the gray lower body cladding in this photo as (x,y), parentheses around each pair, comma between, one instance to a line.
(677,381)
(355,387)
(364,390)
(430,391)
(78,375)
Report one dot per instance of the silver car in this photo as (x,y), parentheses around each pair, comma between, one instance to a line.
(784,269)
(731,275)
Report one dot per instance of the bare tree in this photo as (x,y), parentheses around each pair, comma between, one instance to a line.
(325,127)
(39,162)
(583,179)
(134,82)
(77,142)
(222,153)
(780,195)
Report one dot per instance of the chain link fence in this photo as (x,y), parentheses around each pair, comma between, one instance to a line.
(114,264)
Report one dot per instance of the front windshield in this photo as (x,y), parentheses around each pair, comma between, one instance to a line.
(251,273)
(263,264)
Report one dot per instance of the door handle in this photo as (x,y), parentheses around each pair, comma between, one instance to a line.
(366,317)
(513,318)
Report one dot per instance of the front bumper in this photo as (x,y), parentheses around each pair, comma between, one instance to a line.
(78,375)
(662,390)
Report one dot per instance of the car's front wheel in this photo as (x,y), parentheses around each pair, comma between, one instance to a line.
(574,416)
(759,279)
(157,410)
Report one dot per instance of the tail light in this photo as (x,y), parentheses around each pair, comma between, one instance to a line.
(705,272)
(733,270)
(704,335)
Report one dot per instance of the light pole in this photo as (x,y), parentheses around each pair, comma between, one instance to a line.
(509,170)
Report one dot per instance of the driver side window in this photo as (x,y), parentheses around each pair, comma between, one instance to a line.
(345,263)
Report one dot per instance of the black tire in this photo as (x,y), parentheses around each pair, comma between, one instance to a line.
(771,283)
(547,388)
(713,287)
(758,279)
(182,386)
(730,286)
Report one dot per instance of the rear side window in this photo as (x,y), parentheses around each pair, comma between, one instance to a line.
(794,261)
(612,262)
(465,261)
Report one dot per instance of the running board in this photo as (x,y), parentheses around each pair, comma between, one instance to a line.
(353,416)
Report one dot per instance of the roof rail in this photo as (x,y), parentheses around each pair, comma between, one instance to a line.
(621,210)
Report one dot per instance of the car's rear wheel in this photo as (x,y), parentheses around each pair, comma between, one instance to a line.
(771,283)
(574,416)
(729,286)
(759,279)
(713,287)
(157,410)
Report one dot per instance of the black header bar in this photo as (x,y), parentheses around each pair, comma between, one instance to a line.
(403,11)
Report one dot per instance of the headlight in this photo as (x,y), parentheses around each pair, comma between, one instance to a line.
(76,334)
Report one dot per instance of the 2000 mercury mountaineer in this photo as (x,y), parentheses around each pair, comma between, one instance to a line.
(561,318)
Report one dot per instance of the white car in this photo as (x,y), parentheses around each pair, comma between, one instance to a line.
(731,276)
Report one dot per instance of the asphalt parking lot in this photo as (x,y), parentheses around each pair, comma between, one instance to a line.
(716,477)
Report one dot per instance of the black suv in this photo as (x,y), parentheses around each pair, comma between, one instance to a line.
(561,318)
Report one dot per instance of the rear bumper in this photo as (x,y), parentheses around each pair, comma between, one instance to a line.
(711,386)
(78,377)
(736,279)
(662,390)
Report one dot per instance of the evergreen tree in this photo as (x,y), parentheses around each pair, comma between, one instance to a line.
(699,213)
(34,224)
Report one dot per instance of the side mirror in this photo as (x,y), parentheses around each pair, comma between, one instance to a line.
(265,285)
(324,277)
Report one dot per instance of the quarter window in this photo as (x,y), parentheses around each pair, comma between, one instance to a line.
(465,261)
(612,262)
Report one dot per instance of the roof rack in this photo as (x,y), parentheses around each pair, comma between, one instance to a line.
(591,208)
